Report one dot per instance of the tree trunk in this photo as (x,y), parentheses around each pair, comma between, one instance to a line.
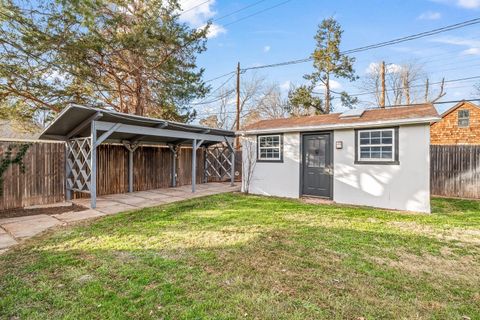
(327,95)
(139,108)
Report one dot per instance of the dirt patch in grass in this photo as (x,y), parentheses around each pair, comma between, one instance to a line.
(21,212)
(449,265)
(447,234)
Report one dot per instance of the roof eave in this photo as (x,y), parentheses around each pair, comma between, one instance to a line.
(338,126)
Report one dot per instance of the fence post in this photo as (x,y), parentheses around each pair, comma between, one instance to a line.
(93,170)
(194,162)
(68,192)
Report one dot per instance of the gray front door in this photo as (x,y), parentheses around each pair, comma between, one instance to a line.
(317,165)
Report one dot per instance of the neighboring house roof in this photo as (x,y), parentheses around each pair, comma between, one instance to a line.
(10,129)
(458,105)
(415,113)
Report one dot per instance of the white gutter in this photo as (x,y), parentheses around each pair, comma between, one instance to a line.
(338,126)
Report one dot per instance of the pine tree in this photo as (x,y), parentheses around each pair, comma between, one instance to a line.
(130,56)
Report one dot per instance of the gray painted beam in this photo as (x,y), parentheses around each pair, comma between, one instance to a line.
(232,168)
(141,136)
(130,170)
(194,163)
(174,150)
(55,137)
(131,149)
(68,170)
(147,131)
(84,124)
(93,171)
(107,134)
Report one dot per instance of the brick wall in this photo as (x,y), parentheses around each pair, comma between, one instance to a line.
(446,131)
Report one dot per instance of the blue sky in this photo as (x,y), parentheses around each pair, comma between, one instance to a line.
(286,33)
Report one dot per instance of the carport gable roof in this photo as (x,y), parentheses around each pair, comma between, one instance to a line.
(389,116)
(76,121)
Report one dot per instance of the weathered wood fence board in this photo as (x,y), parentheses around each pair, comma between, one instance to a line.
(455,171)
(44,179)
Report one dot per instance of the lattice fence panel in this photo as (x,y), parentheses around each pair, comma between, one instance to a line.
(217,163)
(79,164)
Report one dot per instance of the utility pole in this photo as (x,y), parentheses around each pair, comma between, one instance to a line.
(427,85)
(382,75)
(406,85)
(237,140)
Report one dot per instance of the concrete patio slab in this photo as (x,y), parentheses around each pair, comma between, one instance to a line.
(119,207)
(151,195)
(17,219)
(151,203)
(132,200)
(73,216)
(6,241)
(12,230)
(29,228)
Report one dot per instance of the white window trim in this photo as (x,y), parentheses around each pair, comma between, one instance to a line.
(280,148)
(359,154)
(463,118)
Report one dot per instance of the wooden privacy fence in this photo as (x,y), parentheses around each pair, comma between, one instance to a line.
(44,179)
(455,171)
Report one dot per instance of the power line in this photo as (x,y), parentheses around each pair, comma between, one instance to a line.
(194,7)
(380,44)
(390,106)
(257,13)
(412,86)
(239,10)
(211,93)
(219,77)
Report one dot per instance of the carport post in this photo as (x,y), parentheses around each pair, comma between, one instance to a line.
(131,149)
(93,170)
(194,163)
(68,171)
(130,170)
(174,149)
(232,169)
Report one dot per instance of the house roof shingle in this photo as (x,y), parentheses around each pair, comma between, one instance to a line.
(404,114)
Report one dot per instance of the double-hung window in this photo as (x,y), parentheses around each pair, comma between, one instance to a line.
(377,146)
(270,148)
(463,118)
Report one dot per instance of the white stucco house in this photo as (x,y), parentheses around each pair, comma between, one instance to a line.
(376,157)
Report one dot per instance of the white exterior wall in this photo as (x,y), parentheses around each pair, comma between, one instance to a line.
(404,187)
(280,179)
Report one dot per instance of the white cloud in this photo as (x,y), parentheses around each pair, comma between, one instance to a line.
(389,68)
(266,49)
(197,12)
(466,4)
(285,86)
(469,4)
(471,52)
(334,85)
(473,45)
(430,15)
(215,30)
(458,41)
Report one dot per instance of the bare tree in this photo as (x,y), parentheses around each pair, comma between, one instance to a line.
(249,160)
(404,84)
(258,100)
(273,105)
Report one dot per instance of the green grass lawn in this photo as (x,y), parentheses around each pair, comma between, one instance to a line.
(233,256)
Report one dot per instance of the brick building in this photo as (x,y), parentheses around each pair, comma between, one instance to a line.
(459,125)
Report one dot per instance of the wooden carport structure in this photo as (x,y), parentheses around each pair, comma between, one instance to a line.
(83,129)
